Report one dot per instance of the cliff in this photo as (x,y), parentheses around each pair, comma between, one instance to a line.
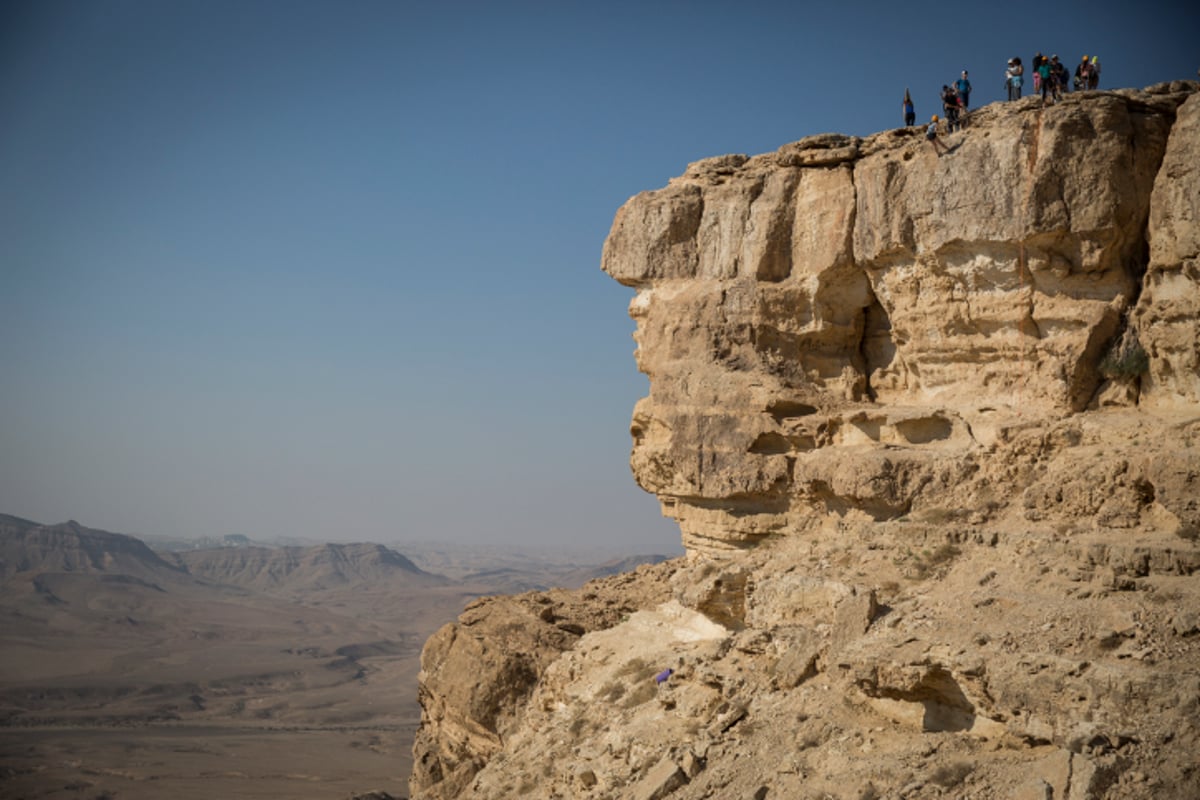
(860,327)
(928,426)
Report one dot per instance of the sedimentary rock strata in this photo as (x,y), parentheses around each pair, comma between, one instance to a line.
(852,325)
(929,426)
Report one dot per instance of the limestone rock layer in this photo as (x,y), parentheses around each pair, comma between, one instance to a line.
(851,326)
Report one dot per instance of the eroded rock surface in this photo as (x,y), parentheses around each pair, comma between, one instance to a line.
(860,334)
(930,430)
(477,673)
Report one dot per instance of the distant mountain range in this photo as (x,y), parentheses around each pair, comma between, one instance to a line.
(323,566)
(34,548)
(101,630)
(30,547)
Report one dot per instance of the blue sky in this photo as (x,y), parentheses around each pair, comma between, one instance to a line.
(330,269)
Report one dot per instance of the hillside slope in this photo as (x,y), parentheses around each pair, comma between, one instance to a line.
(305,569)
(30,547)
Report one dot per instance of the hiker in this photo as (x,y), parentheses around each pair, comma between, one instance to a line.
(932,137)
(1038,58)
(1094,82)
(962,87)
(1059,72)
(950,108)
(1083,74)
(910,113)
(1013,78)
(1043,78)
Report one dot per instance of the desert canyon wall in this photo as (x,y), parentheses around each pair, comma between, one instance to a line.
(929,427)
(852,326)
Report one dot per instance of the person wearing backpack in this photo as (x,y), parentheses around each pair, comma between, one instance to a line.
(1060,78)
(950,108)
(1044,78)
(1083,74)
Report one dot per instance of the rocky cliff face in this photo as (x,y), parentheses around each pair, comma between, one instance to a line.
(929,429)
(857,326)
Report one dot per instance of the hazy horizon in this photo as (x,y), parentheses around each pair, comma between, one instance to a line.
(331,271)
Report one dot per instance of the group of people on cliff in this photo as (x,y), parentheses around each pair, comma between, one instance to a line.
(1050,76)
(956,100)
(1050,79)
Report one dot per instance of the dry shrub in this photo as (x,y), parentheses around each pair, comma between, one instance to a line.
(631,666)
(612,691)
(1126,358)
(643,693)
(950,775)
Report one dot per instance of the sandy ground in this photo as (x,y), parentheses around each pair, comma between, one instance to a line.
(229,673)
(200,762)
(174,688)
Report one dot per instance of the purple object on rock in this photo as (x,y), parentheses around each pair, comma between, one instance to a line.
(662,676)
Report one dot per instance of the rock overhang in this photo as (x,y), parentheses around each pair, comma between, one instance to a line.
(916,304)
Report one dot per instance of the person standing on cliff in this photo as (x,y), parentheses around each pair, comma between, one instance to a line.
(1013,79)
(1060,78)
(932,137)
(1083,75)
(910,113)
(1043,72)
(949,108)
(962,87)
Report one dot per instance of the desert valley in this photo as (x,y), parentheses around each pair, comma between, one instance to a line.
(234,671)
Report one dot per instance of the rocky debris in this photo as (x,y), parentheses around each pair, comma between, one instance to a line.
(822,150)
(994,670)
(716,167)
(476,674)
(659,781)
(928,427)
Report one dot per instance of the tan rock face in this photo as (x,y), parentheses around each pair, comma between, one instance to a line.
(1168,312)
(930,427)
(881,659)
(846,326)
(477,673)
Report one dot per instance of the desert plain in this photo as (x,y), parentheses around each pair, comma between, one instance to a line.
(234,672)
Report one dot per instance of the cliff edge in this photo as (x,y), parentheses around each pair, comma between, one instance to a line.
(861,328)
(928,425)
